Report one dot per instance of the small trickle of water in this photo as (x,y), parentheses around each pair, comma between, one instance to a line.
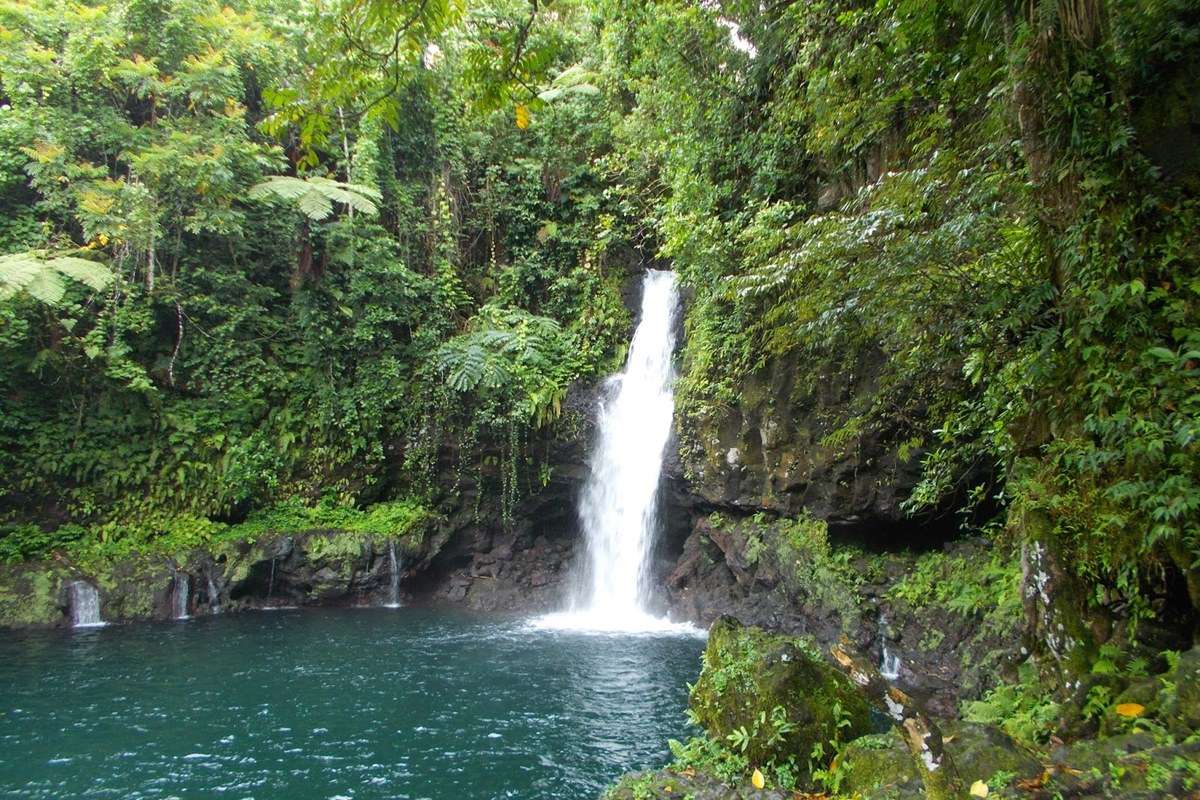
(214,597)
(393,577)
(85,605)
(889,663)
(179,595)
(619,505)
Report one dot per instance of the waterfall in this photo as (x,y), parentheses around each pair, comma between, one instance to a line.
(393,577)
(889,664)
(618,508)
(179,595)
(214,597)
(85,605)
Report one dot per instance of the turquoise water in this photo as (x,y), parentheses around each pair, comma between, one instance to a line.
(325,704)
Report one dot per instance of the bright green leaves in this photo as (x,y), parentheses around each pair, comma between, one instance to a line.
(46,278)
(315,196)
(574,80)
(522,355)
(360,57)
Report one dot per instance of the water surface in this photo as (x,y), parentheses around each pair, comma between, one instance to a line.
(402,703)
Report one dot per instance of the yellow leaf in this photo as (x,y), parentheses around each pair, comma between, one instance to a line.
(522,116)
(758,780)
(1130,710)
(979,789)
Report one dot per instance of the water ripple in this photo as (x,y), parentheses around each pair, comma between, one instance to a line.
(396,704)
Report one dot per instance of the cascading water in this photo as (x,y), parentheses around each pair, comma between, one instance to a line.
(85,605)
(619,506)
(214,597)
(179,595)
(393,577)
(889,664)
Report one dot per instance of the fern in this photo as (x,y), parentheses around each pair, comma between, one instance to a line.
(44,278)
(315,196)
(513,353)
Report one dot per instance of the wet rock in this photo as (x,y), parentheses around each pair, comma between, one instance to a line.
(776,689)
(748,570)
(790,443)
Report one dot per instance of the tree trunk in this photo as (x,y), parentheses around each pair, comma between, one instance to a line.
(919,731)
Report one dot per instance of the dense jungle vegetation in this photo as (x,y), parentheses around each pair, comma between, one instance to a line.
(332,254)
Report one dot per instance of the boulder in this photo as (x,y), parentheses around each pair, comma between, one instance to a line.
(670,785)
(882,766)
(777,692)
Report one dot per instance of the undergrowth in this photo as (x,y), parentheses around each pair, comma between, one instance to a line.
(180,534)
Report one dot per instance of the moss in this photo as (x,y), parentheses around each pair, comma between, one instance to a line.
(96,551)
(674,785)
(335,546)
(798,551)
(30,594)
(872,763)
(981,751)
(879,765)
(773,695)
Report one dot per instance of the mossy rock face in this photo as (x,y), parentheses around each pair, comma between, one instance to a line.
(136,588)
(753,681)
(32,595)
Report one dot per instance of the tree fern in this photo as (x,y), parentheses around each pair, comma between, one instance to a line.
(44,278)
(315,196)
(524,358)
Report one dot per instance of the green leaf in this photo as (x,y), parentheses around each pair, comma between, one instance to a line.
(1162,354)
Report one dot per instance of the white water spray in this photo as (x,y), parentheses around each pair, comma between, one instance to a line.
(85,605)
(393,577)
(214,597)
(889,664)
(619,506)
(179,595)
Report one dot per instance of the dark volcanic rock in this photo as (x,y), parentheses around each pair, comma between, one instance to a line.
(742,569)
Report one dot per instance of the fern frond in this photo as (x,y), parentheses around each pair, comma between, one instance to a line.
(43,278)
(315,196)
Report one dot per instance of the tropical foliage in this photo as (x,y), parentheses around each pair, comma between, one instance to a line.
(360,250)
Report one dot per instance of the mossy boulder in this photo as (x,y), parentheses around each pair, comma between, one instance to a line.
(882,766)
(982,751)
(776,692)
(31,594)
(670,785)
(876,763)
(137,587)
